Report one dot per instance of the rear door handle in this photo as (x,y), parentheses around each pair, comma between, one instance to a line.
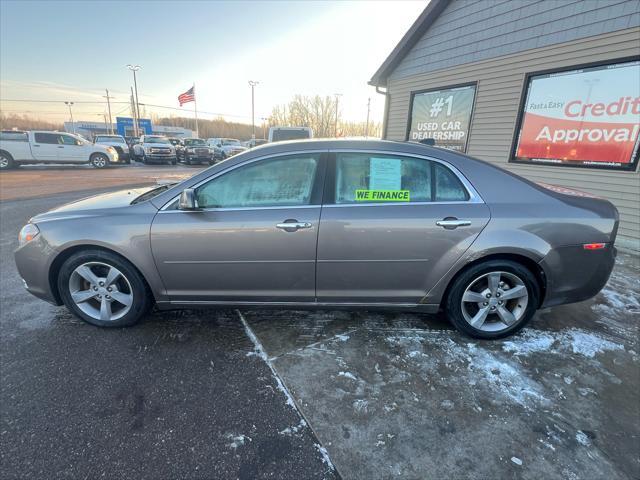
(450,223)
(292,226)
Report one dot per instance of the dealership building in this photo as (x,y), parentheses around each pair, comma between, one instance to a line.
(547,89)
(124,127)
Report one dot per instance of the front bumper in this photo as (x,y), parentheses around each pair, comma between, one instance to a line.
(152,157)
(33,261)
(575,274)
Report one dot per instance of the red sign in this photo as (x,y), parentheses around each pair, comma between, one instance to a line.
(588,117)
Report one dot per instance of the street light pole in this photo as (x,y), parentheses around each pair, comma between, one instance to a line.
(337,95)
(252,84)
(134,69)
(73,125)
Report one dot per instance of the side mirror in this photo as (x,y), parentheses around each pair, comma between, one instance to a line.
(188,200)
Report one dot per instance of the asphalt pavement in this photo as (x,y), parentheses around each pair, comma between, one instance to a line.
(184,395)
(293,394)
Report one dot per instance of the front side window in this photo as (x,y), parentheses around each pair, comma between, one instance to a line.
(377,178)
(269,183)
(68,140)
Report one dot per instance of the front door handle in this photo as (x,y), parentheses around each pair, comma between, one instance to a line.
(451,222)
(60,146)
(292,225)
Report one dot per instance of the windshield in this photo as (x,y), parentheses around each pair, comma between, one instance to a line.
(174,141)
(231,141)
(191,142)
(109,138)
(156,140)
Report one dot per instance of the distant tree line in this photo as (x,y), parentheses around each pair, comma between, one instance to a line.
(26,122)
(316,112)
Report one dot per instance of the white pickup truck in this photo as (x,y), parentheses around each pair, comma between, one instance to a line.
(52,147)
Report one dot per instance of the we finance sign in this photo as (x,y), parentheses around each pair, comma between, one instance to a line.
(587,117)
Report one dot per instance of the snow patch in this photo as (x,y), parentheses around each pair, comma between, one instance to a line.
(236,440)
(347,375)
(516,460)
(573,340)
(583,439)
(293,430)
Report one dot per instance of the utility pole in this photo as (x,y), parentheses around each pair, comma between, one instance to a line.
(264,127)
(366,129)
(252,84)
(133,114)
(337,95)
(73,125)
(134,69)
(109,107)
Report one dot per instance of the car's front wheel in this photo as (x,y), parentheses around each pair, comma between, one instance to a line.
(103,289)
(98,160)
(493,299)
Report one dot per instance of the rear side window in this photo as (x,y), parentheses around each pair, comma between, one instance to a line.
(46,137)
(376,178)
(14,136)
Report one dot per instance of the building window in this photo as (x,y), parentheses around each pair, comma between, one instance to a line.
(583,117)
(443,115)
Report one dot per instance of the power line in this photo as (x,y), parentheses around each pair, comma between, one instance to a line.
(51,101)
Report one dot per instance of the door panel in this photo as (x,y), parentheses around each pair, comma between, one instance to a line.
(390,253)
(236,255)
(70,151)
(379,239)
(255,238)
(45,146)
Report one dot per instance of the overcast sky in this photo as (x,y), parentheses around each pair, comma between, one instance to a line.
(73,50)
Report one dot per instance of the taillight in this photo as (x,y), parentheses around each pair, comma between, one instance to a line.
(594,246)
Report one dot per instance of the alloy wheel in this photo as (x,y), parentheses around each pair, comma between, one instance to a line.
(495,301)
(101,291)
(99,161)
(4,161)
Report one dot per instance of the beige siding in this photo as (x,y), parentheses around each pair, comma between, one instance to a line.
(500,83)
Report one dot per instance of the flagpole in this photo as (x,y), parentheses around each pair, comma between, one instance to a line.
(195,109)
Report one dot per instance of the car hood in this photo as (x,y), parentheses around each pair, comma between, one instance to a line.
(153,145)
(120,198)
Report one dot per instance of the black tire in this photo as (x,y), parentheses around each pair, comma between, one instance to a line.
(6,161)
(142,299)
(453,303)
(174,162)
(144,159)
(99,160)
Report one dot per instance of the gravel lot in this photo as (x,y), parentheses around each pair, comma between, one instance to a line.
(204,394)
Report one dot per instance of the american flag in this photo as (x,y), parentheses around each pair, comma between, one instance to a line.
(188,96)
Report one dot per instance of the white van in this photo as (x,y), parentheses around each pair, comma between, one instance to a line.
(280,134)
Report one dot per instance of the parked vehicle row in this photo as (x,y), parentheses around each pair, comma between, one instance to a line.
(18,148)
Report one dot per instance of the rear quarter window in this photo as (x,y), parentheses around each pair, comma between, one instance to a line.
(13,137)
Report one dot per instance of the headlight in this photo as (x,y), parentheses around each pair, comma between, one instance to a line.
(28,233)
(190,150)
(111,150)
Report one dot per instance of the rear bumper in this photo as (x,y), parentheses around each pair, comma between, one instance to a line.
(575,274)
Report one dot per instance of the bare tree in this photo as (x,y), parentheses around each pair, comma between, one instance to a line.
(318,113)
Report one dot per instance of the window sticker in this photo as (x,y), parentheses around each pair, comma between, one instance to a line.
(383,196)
(385,174)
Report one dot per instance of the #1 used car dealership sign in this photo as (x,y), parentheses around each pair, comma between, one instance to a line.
(587,117)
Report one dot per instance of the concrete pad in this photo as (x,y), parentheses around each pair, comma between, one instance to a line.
(406,396)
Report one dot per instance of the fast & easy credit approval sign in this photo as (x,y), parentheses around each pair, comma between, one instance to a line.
(588,117)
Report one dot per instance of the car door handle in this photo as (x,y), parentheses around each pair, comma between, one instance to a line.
(292,226)
(60,146)
(450,223)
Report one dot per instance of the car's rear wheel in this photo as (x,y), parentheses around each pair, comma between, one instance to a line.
(103,289)
(6,161)
(98,160)
(493,299)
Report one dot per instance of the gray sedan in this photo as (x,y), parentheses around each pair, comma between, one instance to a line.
(328,224)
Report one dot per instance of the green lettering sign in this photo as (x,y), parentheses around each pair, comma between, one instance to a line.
(382,196)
